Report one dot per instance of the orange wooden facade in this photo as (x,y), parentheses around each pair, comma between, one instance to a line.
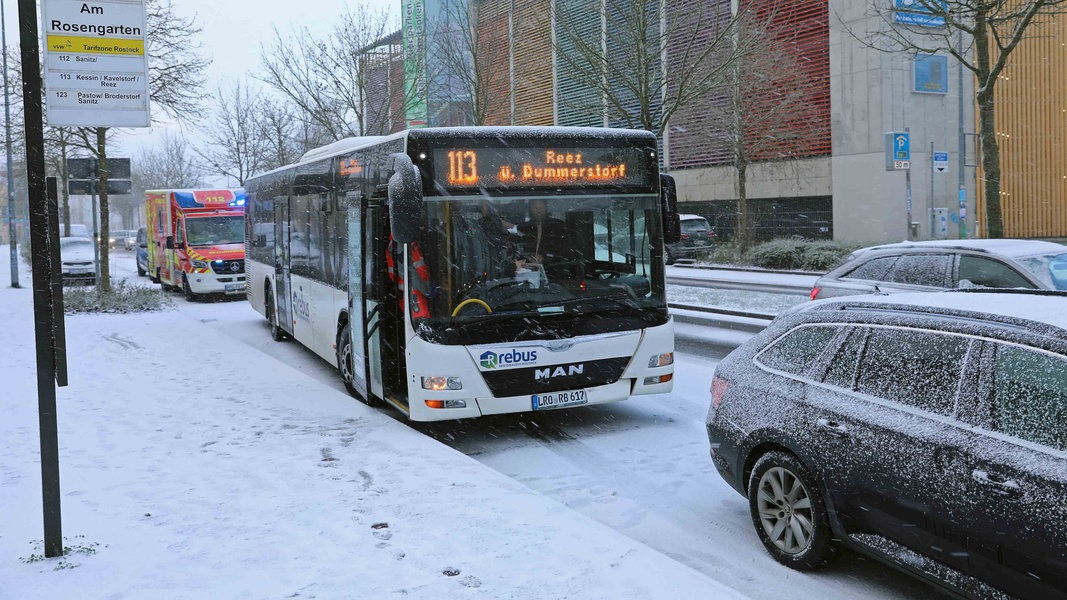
(1031,120)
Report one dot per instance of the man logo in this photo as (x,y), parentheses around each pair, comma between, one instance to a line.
(550,372)
(488,360)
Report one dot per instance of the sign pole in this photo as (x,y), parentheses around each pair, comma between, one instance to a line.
(933,224)
(43,309)
(96,226)
(12,230)
(907,184)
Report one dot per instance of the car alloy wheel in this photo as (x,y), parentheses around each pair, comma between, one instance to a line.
(788,511)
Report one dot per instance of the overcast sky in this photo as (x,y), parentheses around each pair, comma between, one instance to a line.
(233,33)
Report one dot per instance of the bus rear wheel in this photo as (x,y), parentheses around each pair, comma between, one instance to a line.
(347,368)
(276,332)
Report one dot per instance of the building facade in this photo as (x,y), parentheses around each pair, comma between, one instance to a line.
(826,174)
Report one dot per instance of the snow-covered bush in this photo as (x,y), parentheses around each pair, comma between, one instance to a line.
(123,298)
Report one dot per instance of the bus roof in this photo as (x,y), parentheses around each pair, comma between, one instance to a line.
(502,132)
(549,133)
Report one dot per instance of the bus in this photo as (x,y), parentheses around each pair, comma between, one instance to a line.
(414,264)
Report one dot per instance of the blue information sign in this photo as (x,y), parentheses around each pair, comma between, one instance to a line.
(901,146)
(913,12)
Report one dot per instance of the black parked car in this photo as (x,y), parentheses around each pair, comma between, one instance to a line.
(697,237)
(928,430)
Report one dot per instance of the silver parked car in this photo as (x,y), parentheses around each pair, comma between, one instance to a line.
(947,264)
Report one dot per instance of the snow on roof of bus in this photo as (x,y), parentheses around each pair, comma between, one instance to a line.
(467,132)
(548,132)
(348,143)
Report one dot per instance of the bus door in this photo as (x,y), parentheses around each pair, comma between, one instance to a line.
(359,305)
(385,316)
(281,264)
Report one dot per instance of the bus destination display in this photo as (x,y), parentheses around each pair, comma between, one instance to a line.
(540,167)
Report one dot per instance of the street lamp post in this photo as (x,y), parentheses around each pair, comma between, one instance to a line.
(7,128)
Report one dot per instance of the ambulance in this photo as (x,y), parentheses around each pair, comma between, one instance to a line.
(196,240)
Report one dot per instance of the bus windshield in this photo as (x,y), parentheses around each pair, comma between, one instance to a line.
(215,231)
(508,264)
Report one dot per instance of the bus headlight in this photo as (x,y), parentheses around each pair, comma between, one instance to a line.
(438,383)
(199,264)
(661,360)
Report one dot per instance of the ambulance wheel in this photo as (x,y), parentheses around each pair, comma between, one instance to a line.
(347,368)
(188,291)
(276,332)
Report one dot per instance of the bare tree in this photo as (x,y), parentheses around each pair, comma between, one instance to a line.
(618,56)
(175,75)
(327,79)
(235,130)
(991,30)
(170,165)
(766,110)
(279,130)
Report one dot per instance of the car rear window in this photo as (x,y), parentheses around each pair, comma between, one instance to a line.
(694,225)
(796,351)
(874,269)
(1030,396)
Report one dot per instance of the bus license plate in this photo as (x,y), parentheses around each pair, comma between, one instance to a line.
(558,399)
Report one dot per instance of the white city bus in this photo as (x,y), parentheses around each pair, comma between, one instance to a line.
(412,262)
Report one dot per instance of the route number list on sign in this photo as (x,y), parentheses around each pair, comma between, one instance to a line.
(96,71)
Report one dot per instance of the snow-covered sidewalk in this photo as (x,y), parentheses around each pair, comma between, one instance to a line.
(195,466)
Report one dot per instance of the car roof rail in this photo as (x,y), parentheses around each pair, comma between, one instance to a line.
(1020,323)
(930,247)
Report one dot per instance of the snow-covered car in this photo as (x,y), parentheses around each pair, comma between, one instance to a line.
(941,264)
(79,262)
(928,430)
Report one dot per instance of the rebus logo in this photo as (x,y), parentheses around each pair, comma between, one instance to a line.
(512,358)
(550,372)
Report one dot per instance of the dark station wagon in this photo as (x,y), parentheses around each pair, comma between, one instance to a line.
(926,430)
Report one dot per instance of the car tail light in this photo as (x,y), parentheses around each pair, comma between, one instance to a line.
(711,234)
(815,292)
(683,236)
(718,391)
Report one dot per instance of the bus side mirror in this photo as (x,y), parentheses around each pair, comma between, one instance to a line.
(405,199)
(668,201)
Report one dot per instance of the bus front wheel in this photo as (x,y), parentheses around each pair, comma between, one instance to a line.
(346,366)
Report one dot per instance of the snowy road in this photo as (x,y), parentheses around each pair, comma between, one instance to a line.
(640,467)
